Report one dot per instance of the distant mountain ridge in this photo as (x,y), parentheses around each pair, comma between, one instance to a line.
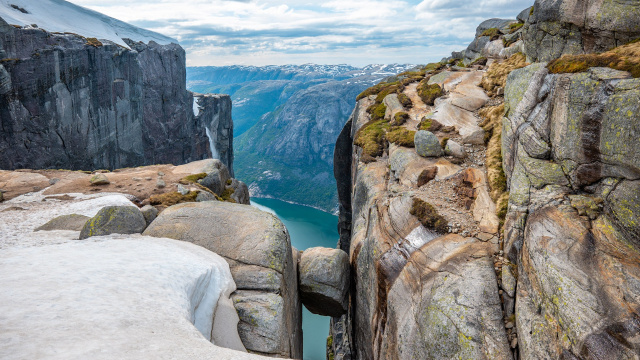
(286,121)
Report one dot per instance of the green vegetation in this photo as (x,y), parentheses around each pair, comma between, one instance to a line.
(624,58)
(428,216)
(493,33)
(402,137)
(492,125)
(429,93)
(400,118)
(226,195)
(405,100)
(515,27)
(479,61)
(172,198)
(371,137)
(443,142)
(193,178)
(429,125)
(377,111)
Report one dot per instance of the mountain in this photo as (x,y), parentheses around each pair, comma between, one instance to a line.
(287,119)
(81,90)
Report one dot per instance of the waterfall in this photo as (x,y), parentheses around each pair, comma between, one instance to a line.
(214,153)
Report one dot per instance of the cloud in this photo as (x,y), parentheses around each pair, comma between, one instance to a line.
(261,32)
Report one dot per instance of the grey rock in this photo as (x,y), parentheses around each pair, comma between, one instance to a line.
(99,179)
(53,181)
(257,247)
(454,149)
(393,106)
(205,196)
(570,27)
(474,138)
(128,107)
(427,144)
(114,220)
(213,182)
(501,24)
(523,16)
(240,192)
(150,213)
(160,184)
(73,222)
(182,190)
(324,281)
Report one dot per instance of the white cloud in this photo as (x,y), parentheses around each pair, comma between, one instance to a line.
(260,32)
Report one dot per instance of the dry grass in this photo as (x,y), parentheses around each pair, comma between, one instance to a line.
(94,42)
(492,126)
(428,216)
(191,179)
(496,75)
(624,58)
(402,137)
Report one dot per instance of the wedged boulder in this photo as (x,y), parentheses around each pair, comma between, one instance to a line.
(324,281)
(427,144)
(73,222)
(114,220)
(257,247)
(444,305)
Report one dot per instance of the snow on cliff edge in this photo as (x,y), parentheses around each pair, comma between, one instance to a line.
(62,16)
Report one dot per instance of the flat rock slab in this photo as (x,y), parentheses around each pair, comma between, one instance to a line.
(72,222)
(117,297)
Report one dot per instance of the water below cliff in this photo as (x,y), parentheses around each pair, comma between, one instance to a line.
(307,227)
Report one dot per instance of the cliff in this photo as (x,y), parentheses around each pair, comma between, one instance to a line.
(521,243)
(90,99)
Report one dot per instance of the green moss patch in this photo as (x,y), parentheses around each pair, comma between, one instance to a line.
(493,33)
(172,198)
(377,111)
(428,216)
(193,178)
(402,137)
(429,93)
(371,137)
(400,118)
(515,27)
(405,100)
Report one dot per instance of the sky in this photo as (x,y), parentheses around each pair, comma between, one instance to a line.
(278,32)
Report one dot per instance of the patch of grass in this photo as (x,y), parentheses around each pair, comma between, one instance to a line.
(172,198)
(515,27)
(400,118)
(191,179)
(492,125)
(377,111)
(377,89)
(226,195)
(392,89)
(443,142)
(624,58)
(496,76)
(434,66)
(493,33)
(460,64)
(429,125)
(405,100)
(402,137)
(93,42)
(479,61)
(428,216)
(371,137)
(429,93)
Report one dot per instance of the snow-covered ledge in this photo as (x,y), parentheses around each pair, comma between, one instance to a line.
(109,297)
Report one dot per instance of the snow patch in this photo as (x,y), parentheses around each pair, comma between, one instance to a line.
(62,16)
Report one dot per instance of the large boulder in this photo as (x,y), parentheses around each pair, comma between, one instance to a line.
(114,220)
(72,222)
(324,281)
(257,247)
(427,144)
(240,192)
(563,27)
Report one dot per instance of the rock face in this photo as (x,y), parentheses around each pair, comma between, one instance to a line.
(114,220)
(68,101)
(579,26)
(257,247)
(324,281)
(573,227)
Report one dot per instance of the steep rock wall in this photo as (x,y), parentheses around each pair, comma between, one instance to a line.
(71,102)
(573,225)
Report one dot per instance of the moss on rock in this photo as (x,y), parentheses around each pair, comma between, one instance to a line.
(428,216)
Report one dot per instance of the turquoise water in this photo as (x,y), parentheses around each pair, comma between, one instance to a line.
(307,227)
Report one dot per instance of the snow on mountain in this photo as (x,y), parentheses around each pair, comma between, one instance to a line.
(62,16)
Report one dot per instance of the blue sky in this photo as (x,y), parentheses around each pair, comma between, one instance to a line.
(276,32)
